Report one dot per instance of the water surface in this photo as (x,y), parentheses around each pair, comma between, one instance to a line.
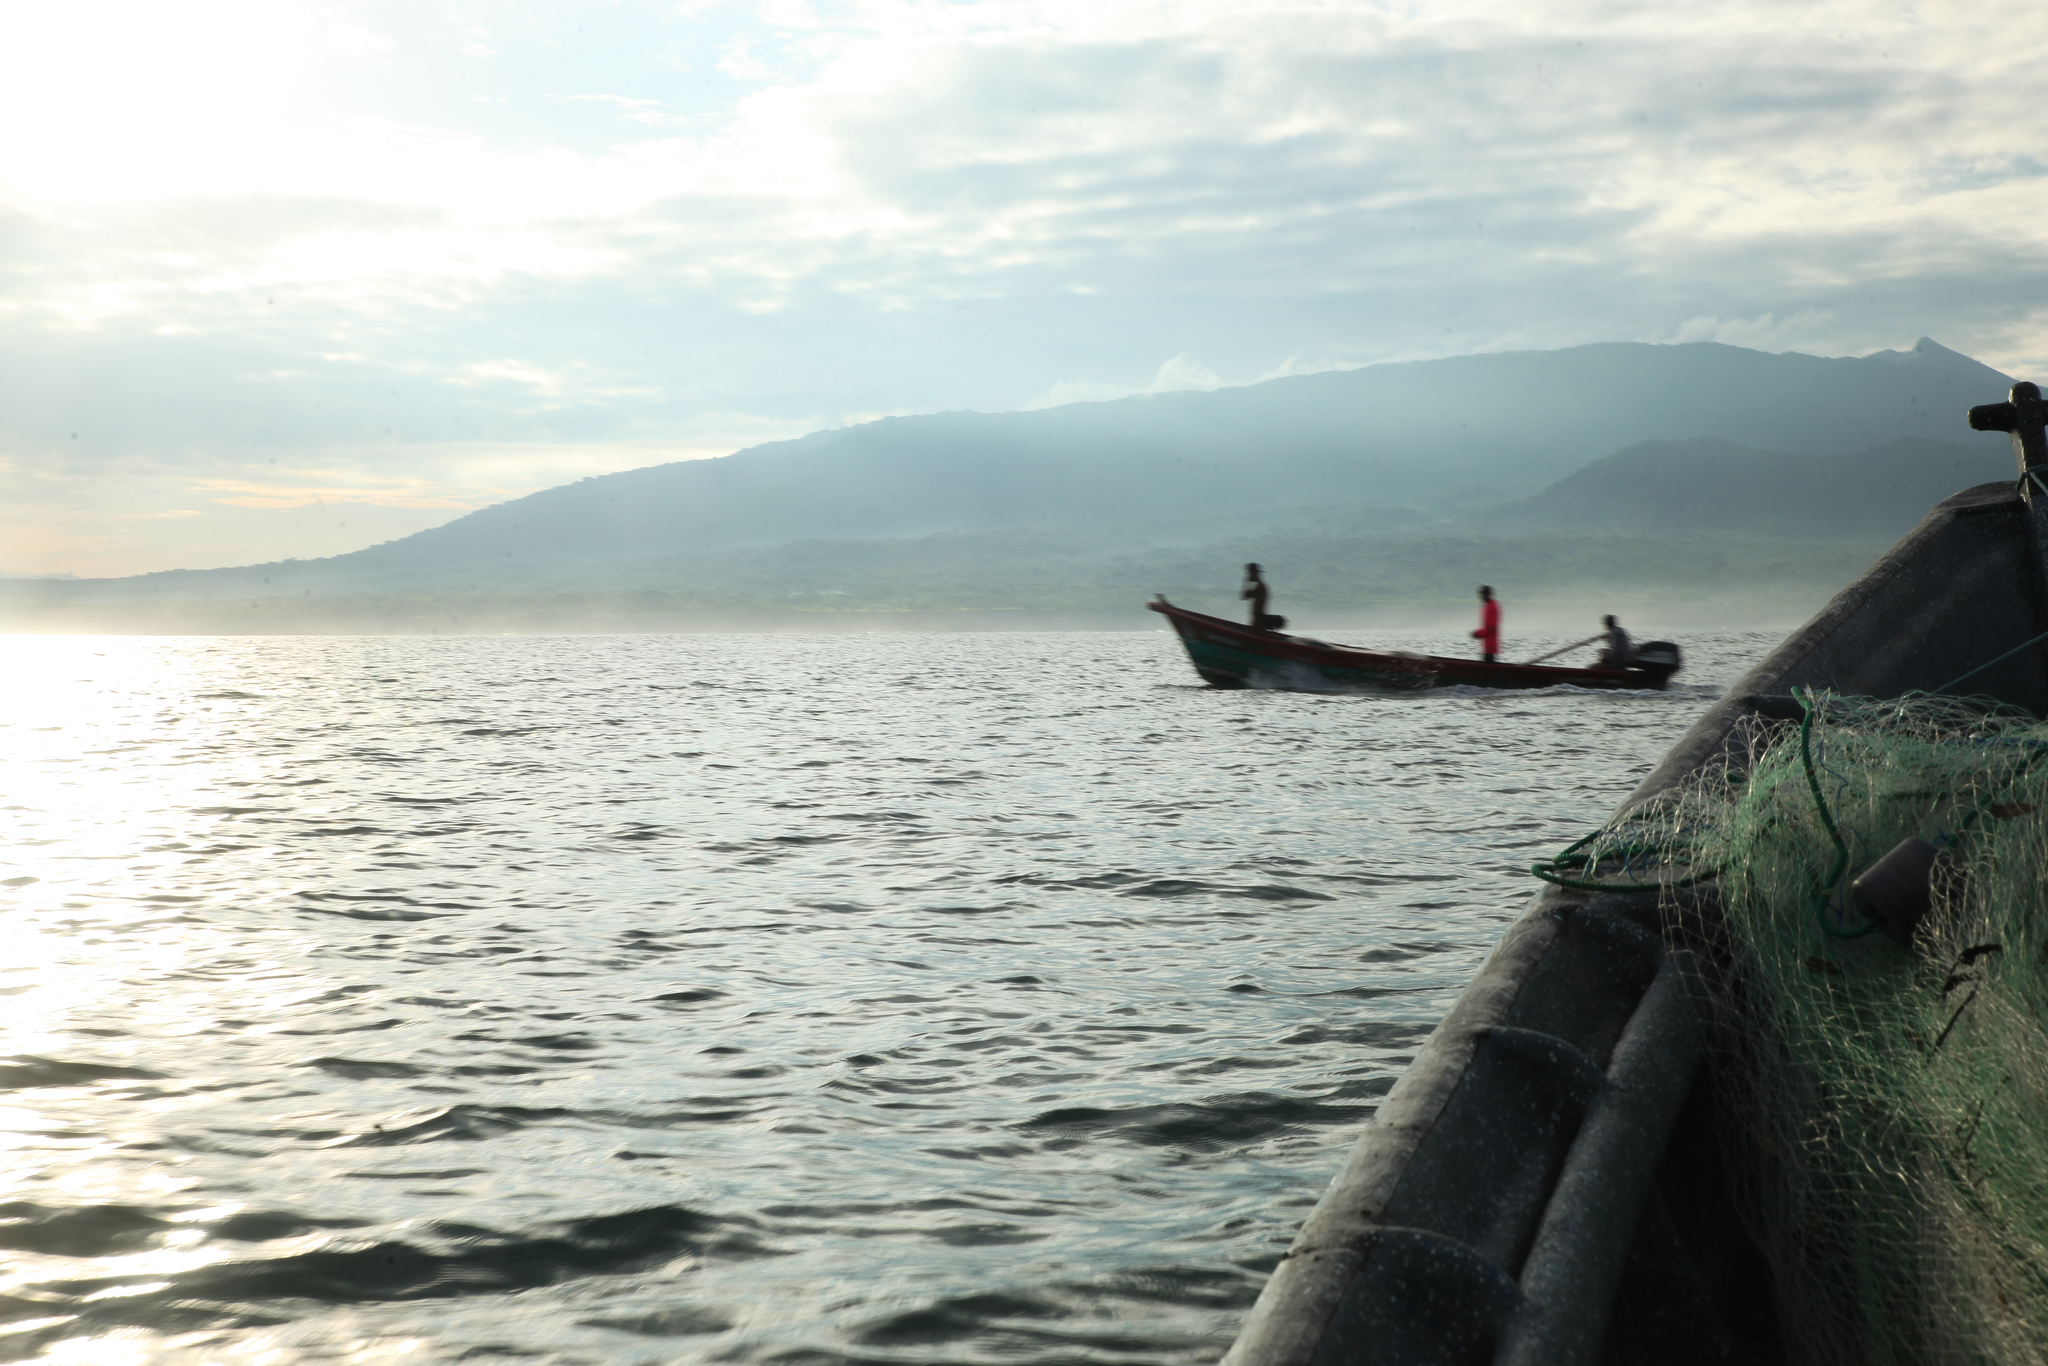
(977,998)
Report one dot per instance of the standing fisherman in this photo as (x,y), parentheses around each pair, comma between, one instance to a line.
(1256,593)
(1488,634)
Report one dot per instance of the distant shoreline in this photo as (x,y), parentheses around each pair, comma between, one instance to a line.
(482,617)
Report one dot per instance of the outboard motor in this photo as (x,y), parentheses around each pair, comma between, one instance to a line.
(1656,661)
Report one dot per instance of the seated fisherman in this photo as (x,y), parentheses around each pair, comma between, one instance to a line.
(1619,651)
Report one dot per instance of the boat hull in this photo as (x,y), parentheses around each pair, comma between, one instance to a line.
(1547,1181)
(1229,655)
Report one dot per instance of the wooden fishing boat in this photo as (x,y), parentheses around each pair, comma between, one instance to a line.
(1550,1181)
(1229,655)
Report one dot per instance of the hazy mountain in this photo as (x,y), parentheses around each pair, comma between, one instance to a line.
(1676,515)
(1447,434)
(1708,484)
(1702,531)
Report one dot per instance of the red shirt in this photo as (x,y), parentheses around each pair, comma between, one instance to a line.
(1488,634)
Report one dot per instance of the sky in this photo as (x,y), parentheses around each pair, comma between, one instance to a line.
(287,279)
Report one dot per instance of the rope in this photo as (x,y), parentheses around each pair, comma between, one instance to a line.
(1988,663)
(1554,870)
(1833,885)
(1584,855)
(1550,869)
(2030,474)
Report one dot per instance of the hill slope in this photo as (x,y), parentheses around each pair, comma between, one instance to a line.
(1713,485)
(1463,431)
(1709,529)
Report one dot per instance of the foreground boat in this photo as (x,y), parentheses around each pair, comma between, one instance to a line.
(1228,655)
(1557,1177)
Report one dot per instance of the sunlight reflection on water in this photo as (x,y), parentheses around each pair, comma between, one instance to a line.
(886,998)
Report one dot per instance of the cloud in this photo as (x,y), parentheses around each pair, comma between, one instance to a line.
(347,235)
(925,157)
(1767,332)
(1174,375)
(273,494)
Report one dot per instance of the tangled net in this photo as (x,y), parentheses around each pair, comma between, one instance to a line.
(1885,1107)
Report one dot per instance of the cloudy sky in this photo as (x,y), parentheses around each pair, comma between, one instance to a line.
(289,278)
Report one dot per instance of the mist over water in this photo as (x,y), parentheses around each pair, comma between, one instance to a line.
(941,998)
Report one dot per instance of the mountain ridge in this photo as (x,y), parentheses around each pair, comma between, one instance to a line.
(1456,431)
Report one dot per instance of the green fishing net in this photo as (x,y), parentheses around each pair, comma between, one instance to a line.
(1884,1106)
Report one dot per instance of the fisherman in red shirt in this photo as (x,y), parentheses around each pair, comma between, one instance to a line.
(1488,634)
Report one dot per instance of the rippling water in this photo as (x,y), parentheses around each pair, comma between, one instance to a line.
(745,998)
